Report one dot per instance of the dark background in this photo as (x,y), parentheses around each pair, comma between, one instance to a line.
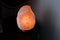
(10,31)
(8,14)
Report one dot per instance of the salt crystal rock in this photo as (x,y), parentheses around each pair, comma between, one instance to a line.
(25,18)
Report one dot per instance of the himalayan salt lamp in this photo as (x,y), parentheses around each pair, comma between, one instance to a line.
(25,18)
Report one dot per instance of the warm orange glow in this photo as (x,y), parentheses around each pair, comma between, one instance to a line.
(25,18)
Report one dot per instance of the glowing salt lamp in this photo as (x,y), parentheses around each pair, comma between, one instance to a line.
(25,18)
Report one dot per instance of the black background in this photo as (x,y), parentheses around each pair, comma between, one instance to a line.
(9,9)
(8,14)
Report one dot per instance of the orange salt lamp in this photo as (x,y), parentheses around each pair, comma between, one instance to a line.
(26,18)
